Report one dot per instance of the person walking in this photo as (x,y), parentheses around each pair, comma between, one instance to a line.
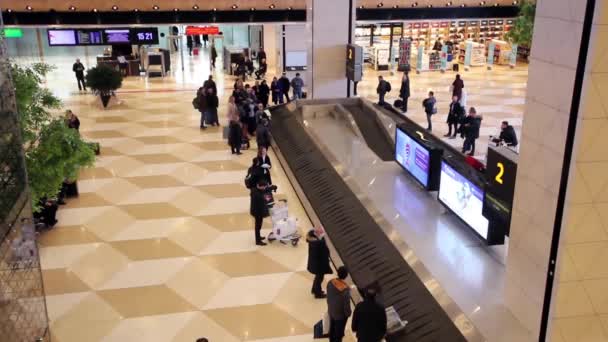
(274,88)
(457,87)
(189,44)
(383,88)
(262,134)
(318,260)
(213,55)
(284,86)
(338,305)
(78,70)
(263,162)
(404,92)
(205,39)
(212,104)
(235,131)
(259,209)
(430,109)
(455,116)
(264,93)
(369,319)
(261,56)
(297,83)
(202,105)
(262,69)
(471,126)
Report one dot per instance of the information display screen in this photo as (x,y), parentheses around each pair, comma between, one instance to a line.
(412,156)
(464,198)
(89,37)
(118,36)
(61,37)
(144,36)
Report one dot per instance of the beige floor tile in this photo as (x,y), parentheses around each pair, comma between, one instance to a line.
(145,301)
(94,317)
(95,173)
(63,256)
(292,258)
(225,206)
(118,190)
(232,222)
(213,145)
(151,211)
(149,249)
(261,289)
(295,299)
(257,322)
(227,165)
(61,281)
(202,326)
(225,190)
(224,177)
(231,242)
(103,134)
(98,266)
(161,158)
(186,151)
(110,223)
(146,273)
(158,328)
(191,201)
(66,235)
(111,119)
(58,305)
(160,181)
(243,264)
(157,140)
(85,200)
(122,166)
(196,274)
(192,234)
(129,145)
(189,173)
(154,195)
(160,124)
(149,229)
(79,216)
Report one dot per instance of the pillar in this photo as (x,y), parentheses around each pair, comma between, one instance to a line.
(330,26)
(557,266)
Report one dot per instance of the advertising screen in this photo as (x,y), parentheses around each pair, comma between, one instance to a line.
(119,36)
(413,157)
(464,198)
(89,37)
(144,36)
(61,37)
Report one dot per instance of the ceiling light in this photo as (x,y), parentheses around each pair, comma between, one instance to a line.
(515,2)
(114,8)
(155,7)
(289,8)
(381,4)
(214,9)
(252,9)
(175,9)
(395,6)
(136,10)
(430,6)
(195,7)
(272,6)
(28,8)
(235,6)
(72,8)
(463,5)
(361,7)
(449,3)
(495,4)
(482,3)
(9,10)
(95,10)
(415,4)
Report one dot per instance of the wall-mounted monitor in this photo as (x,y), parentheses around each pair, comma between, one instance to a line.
(61,37)
(464,198)
(117,36)
(419,159)
(144,36)
(296,60)
(89,37)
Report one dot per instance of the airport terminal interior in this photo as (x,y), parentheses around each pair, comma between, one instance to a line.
(151,236)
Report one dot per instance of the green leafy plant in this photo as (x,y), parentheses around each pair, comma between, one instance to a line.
(523,28)
(104,80)
(53,152)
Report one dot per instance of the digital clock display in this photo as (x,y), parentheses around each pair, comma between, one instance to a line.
(144,36)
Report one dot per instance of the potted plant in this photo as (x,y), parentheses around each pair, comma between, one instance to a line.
(54,153)
(104,80)
(523,29)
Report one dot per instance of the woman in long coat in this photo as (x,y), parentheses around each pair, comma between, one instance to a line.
(318,259)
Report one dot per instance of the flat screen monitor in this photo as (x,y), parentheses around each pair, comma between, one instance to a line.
(296,60)
(463,198)
(89,37)
(144,36)
(412,156)
(61,37)
(117,36)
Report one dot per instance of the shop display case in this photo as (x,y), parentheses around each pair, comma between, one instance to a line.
(478,53)
(380,58)
(363,38)
(427,61)
(502,52)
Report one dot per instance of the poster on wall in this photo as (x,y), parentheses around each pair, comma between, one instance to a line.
(405,51)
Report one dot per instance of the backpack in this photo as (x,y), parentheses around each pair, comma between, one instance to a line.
(195,103)
(249,178)
(388,87)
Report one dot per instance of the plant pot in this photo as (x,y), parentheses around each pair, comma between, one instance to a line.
(105,99)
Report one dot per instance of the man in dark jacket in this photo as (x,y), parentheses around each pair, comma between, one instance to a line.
(264,93)
(369,319)
(284,85)
(78,70)
(262,134)
(213,55)
(338,305)
(404,92)
(202,105)
(383,88)
(318,259)
(210,83)
(471,126)
(429,109)
(259,209)
(261,56)
(212,104)
(455,116)
(507,135)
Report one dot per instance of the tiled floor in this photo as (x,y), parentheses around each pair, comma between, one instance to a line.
(159,244)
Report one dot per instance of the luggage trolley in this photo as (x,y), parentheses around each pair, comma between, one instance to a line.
(284,228)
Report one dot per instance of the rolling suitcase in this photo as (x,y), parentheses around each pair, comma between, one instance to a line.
(456,67)
(398,103)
